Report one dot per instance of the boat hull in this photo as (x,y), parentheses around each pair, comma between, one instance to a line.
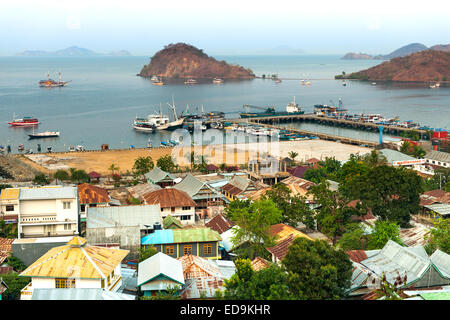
(21,124)
(272,114)
(34,136)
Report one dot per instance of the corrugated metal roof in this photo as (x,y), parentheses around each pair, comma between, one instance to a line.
(160,264)
(126,216)
(281,231)
(181,236)
(441,208)
(395,260)
(48,193)
(442,261)
(393,155)
(157,175)
(219,223)
(78,294)
(138,191)
(438,156)
(190,184)
(89,194)
(5,248)
(169,197)
(170,220)
(89,262)
(10,194)
(198,267)
(414,236)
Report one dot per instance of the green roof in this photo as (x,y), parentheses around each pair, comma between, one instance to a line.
(157,175)
(195,235)
(192,186)
(436,296)
(169,220)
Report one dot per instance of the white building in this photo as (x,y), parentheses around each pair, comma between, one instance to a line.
(48,212)
(75,265)
(438,158)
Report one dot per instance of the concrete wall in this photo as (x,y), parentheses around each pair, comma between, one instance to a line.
(129,238)
(179,212)
(30,252)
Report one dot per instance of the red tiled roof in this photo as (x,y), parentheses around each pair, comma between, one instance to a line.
(312,160)
(88,194)
(298,171)
(282,248)
(435,196)
(219,223)
(5,248)
(356,255)
(259,263)
(231,189)
(94,175)
(169,197)
(211,167)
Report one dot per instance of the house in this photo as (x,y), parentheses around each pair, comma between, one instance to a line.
(219,223)
(267,170)
(170,222)
(203,277)
(438,210)
(5,249)
(138,191)
(434,196)
(438,158)
(238,187)
(124,225)
(202,242)
(93,175)
(9,204)
(159,273)
(260,263)
(298,171)
(421,271)
(174,202)
(91,196)
(203,195)
(3,287)
(313,162)
(75,265)
(78,294)
(284,237)
(211,168)
(397,158)
(48,212)
(160,177)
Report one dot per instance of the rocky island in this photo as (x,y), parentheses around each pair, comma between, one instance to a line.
(356,56)
(423,66)
(179,61)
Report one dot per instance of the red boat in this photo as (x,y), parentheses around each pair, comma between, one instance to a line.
(25,121)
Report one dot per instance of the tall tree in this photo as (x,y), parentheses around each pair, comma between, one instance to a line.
(390,193)
(439,237)
(142,165)
(254,222)
(166,163)
(382,233)
(317,270)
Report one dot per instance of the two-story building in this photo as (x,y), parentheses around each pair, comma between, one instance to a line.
(75,265)
(91,196)
(9,204)
(48,212)
(175,202)
(160,177)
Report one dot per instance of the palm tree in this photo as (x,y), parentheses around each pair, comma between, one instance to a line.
(113,168)
(292,155)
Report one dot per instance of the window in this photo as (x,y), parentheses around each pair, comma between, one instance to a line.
(172,209)
(207,249)
(64,283)
(170,250)
(187,249)
(67,226)
(9,208)
(186,208)
(103,283)
(185,217)
(162,209)
(83,208)
(66,205)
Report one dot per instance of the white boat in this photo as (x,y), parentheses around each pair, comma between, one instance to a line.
(190,81)
(177,122)
(46,134)
(293,107)
(217,81)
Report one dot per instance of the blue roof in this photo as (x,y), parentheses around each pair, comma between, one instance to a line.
(158,237)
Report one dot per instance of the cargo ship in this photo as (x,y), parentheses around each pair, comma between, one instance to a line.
(24,122)
(291,109)
(50,83)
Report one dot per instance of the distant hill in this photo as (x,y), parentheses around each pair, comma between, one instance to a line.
(73,51)
(182,60)
(403,51)
(441,47)
(423,66)
(356,56)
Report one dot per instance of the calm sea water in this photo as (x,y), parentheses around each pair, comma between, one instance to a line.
(105,95)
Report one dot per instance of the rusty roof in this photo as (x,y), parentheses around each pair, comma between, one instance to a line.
(356,255)
(297,187)
(281,248)
(94,175)
(415,236)
(76,259)
(231,189)
(168,198)
(259,263)
(5,248)
(89,194)
(219,223)
(434,196)
(198,267)
(282,231)
(138,191)
(202,287)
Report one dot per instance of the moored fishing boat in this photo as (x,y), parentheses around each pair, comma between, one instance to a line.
(190,81)
(25,121)
(217,81)
(46,134)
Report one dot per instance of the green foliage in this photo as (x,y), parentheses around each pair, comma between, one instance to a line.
(412,134)
(294,208)
(61,175)
(440,180)
(16,263)
(382,233)
(41,179)
(333,214)
(266,284)
(15,284)
(292,155)
(134,201)
(412,150)
(5,186)
(439,237)
(389,291)
(254,220)
(8,230)
(317,270)
(142,165)
(353,239)
(390,193)
(327,169)
(172,293)
(145,253)
(166,163)
(79,176)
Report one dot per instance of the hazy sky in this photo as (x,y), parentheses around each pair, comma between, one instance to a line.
(223,27)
